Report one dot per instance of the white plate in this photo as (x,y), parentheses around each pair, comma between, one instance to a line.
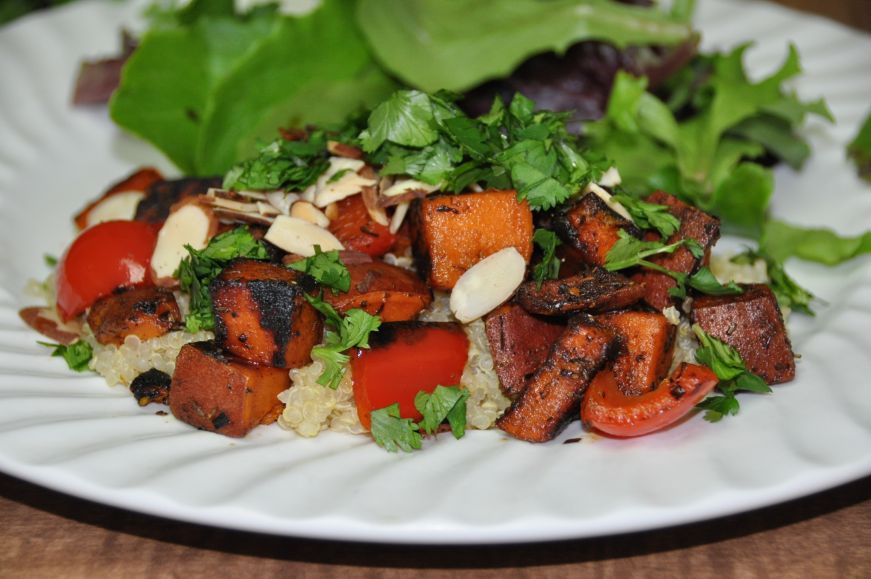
(73,434)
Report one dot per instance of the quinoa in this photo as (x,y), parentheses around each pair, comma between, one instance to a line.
(311,407)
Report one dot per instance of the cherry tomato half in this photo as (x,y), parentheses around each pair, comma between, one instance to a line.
(608,410)
(105,257)
(405,358)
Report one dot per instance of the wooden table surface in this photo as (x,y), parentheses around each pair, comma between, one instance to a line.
(47,534)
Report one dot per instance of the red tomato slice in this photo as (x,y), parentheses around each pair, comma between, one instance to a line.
(608,410)
(357,230)
(105,257)
(404,359)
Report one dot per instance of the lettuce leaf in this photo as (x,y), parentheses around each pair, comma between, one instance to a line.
(207,86)
(455,45)
(781,240)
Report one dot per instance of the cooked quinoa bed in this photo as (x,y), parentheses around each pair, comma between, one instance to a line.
(311,407)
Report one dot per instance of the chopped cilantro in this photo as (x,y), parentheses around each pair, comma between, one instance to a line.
(392,432)
(77,355)
(201,267)
(50,260)
(726,363)
(344,333)
(859,150)
(649,215)
(282,164)
(548,267)
(445,403)
(326,268)
(787,291)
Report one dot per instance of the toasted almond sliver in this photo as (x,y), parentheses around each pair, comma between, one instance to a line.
(609,201)
(295,235)
(406,185)
(116,206)
(190,223)
(307,211)
(398,217)
(487,284)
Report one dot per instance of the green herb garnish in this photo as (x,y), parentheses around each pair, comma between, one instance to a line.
(787,291)
(726,363)
(548,267)
(283,164)
(392,432)
(445,403)
(343,333)
(326,268)
(77,355)
(201,267)
(649,215)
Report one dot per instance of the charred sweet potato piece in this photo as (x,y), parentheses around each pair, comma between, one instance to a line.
(381,289)
(138,181)
(592,228)
(151,386)
(645,352)
(162,195)
(594,291)
(694,224)
(519,343)
(146,312)
(216,392)
(454,232)
(751,323)
(261,314)
(553,394)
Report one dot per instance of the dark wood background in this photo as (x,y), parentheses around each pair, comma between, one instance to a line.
(47,534)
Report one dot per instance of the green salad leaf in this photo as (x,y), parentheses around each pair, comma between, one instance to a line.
(781,240)
(455,45)
(236,77)
(705,154)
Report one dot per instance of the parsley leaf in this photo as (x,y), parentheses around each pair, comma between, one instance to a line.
(350,331)
(630,251)
(859,150)
(445,402)
(326,268)
(548,267)
(282,164)
(649,215)
(392,432)
(726,363)
(787,291)
(50,260)
(77,355)
(201,267)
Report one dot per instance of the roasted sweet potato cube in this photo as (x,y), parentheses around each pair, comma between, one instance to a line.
(261,314)
(393,293)
(752,324)
(162,195)
(694,224)
(216,392)
(519,343)
(592,228)
(597,290)
(454,232)
(645,352)
(553,394)
(146,312)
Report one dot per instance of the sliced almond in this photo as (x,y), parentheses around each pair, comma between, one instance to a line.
(487,284)
(116,206)
(609,201)
(611,178)
(189,223)
(331,211)
(407,185)
(307,211)
(340,180)
(342,150)
(398,217)
(370,200)
(295,235)
(282,201)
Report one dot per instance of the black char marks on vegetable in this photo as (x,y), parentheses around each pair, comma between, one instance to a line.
(407,332)
(594,291)
(161,196)
(553,394)
(151,386)
(581,79)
